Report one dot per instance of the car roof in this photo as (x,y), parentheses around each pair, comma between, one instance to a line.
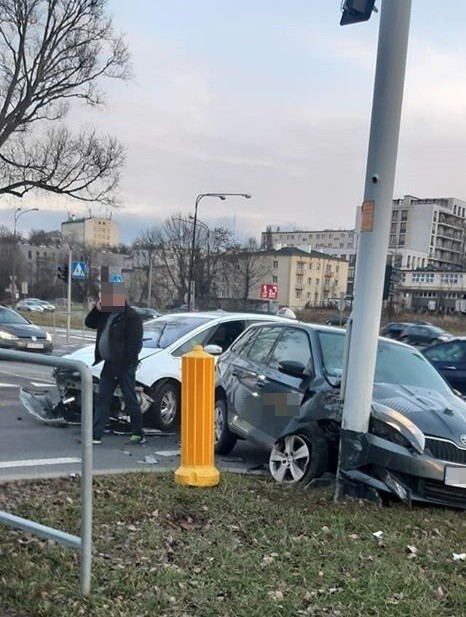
(224,315)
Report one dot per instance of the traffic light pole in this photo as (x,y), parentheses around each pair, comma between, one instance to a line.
(363,327)
(68,310)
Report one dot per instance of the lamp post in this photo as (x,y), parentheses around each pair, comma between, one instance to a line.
(17,214)
(222,196)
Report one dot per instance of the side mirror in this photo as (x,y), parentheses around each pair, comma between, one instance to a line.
(214,350)
(292,368)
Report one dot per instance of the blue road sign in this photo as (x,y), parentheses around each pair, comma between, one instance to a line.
(116,278)
(78,270)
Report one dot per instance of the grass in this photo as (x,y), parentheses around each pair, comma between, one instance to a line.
(59,319)
(247,548)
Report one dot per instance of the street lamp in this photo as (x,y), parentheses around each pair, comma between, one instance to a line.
(17,214)
(222,196)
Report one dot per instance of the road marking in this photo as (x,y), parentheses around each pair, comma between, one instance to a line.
(39,462)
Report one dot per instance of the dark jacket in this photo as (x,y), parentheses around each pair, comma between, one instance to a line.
(125,337)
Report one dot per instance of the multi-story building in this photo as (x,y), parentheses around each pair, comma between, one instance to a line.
(427,232)
(337,242)
(92,230)
(304,279)
(433,290)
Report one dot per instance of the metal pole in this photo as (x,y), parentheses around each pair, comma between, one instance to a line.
(68,316)
(191,261)
(375,231)
(149,283)
(13,264)
(86,480)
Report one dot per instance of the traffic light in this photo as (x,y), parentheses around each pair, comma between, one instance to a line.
(387,281)
(63,272)
(355,11)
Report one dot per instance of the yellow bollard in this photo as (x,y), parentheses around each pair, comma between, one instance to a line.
(197,420)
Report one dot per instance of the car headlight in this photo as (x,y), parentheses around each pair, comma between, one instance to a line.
(48,336)
(396,427)
(7,336)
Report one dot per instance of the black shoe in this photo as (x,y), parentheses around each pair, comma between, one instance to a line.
(96,440)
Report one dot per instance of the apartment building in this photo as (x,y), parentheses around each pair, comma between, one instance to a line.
(92,230)
(433,290)
(337,242)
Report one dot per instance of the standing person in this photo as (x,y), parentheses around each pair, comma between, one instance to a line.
(118,343)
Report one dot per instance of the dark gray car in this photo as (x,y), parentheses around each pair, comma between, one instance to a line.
(279,386)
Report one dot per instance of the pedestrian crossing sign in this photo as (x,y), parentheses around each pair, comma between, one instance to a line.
(116,278)
(78,270)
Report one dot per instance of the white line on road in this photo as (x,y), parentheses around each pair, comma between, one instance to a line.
(39,462)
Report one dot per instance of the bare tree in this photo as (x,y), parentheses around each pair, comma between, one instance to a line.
(243,269)
(51,53)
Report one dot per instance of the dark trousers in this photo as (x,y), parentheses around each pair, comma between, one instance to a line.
(110,377)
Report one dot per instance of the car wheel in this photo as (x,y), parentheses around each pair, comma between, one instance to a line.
(164,412)
(224,439)
(299,458)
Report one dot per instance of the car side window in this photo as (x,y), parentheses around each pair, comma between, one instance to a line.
(449,352)
(263,343)
(292,345)
(225,334)
(200,338)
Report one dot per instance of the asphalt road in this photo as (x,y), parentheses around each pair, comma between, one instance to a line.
(29,449)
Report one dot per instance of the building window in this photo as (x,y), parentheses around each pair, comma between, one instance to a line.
(408,261)
(299,294)
(435,215)
(275,264)
(29,254)
(403,228)
(401,241)
(309,281)
(404,215)
(274,279)
(299,279)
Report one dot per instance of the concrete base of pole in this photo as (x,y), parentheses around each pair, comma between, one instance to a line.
(197,476)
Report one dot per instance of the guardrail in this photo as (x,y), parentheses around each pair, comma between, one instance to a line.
(83,542)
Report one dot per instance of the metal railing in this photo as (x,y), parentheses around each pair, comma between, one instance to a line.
(83,542)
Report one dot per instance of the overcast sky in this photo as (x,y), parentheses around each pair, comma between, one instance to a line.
(271,98)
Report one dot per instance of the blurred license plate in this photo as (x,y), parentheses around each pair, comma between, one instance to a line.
(35,346)
(455,476)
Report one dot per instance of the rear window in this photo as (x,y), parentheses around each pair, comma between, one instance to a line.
(164,331)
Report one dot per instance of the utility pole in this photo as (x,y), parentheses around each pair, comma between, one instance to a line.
(68,315)
(363,327)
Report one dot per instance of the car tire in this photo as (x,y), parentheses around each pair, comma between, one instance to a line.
(224,439)
(298,458)
(164,413)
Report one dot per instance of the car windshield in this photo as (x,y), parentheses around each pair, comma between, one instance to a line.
(9,317)
(164,331)
(395,364)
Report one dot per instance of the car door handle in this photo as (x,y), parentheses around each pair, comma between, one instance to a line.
(451,368)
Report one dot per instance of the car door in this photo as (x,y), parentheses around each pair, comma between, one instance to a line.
(280,395)
(245,375)
(450,360)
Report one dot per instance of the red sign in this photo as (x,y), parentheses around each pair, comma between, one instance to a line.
(269,291)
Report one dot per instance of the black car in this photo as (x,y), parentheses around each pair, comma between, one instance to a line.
(449,358)
(279,385)
(146,313)
(337,320)
(394,329)
(423,335)
(17,332)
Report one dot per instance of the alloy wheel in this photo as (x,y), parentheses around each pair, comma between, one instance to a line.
(290,459)
(168,407)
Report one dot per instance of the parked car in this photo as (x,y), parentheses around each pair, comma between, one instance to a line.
(337,320)
(394,329)
(30,305)
(449,358)
(279,386)
(17,332)
(423,335)
(146,313)
(48,306)
(158,377)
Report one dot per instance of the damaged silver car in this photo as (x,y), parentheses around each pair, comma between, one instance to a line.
(279,386)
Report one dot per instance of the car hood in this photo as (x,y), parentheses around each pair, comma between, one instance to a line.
(87,355)
(23,330)
(434,413)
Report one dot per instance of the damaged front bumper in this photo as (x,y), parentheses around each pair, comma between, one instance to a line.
(62,406)
(406,474)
